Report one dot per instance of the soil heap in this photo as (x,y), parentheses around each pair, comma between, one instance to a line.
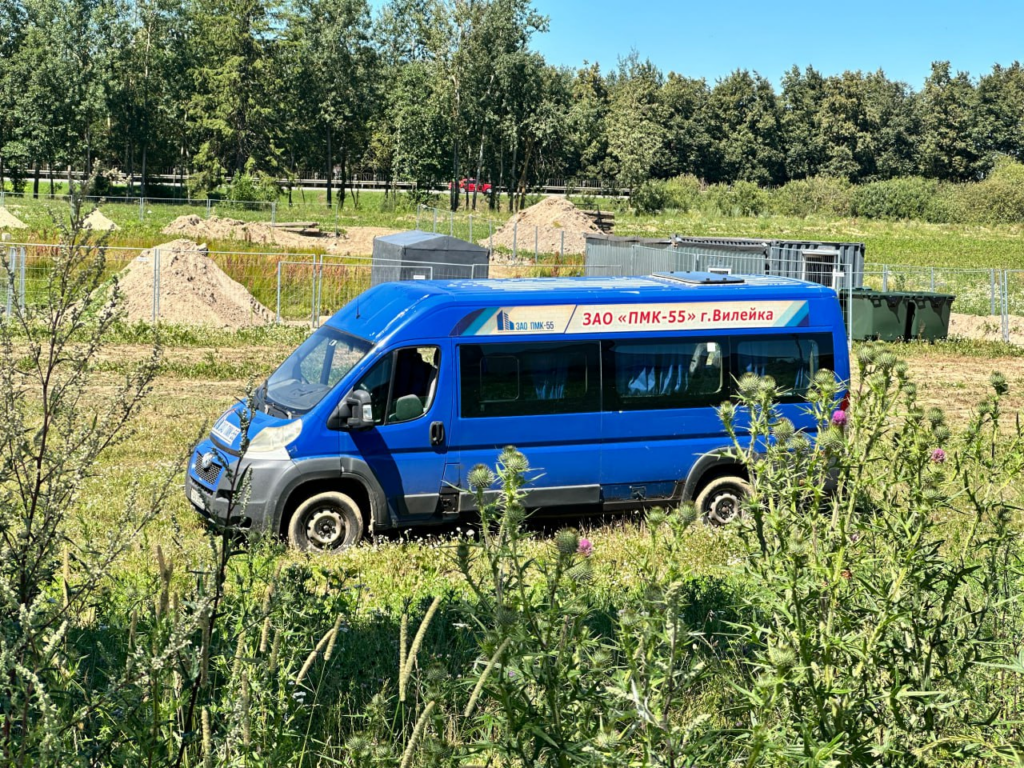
(9,221)
(97,222)
(551,217)
(193,290)
(356,241)
(218,228)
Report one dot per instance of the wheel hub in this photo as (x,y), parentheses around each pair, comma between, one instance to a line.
(325,528)
(724,507)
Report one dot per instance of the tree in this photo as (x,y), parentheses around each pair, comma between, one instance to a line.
(233,106)
(1000,99)
(746,128)
(947,108)
(339,65)
(801,105)
(687,140)
(636,133)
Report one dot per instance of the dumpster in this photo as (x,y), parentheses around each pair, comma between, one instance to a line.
(928,316)
(876,315)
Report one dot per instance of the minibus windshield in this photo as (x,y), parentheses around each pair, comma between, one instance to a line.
(310,372)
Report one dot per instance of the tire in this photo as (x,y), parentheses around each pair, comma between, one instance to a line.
(722,500)
(327,522)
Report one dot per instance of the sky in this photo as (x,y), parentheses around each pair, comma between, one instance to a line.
(712,38)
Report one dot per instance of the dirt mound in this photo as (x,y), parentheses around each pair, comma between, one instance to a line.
(9,221)
(988,328)
(218,228)
(193,290)
(97,222)
(357,241)
(541,227)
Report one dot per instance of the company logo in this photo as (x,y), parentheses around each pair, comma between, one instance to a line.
(505,322)
(207,460)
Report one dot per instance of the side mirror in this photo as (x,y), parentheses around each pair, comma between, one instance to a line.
(355,412)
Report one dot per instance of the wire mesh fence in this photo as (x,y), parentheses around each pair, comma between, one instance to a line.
(161,284)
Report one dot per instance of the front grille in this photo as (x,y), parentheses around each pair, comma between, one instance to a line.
(208,476)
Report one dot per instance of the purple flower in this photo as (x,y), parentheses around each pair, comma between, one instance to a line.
(839,418)
(938,455)
(586,547)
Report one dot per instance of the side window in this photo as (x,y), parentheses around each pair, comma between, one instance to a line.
(654,374)
(377,382)
(529,379)
(792,361)
(402,385)
(415,382)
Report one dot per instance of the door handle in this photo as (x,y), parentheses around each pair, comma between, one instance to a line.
(436,432)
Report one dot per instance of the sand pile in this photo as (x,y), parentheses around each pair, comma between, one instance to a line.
(217,228)
(97,222)
(9,221)
(543,224)
(193,290)
(356,241)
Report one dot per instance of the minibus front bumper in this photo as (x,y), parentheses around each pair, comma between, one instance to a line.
(219,496)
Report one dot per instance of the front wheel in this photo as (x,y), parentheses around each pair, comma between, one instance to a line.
(327,522)
(722,499)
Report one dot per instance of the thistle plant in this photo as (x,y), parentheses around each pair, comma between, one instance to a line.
(874,606)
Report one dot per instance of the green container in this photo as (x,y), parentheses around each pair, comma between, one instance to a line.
(876,315)
(928,316)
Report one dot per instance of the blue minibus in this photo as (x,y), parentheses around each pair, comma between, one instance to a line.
(609,386)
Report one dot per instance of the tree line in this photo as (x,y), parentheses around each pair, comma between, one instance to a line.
(431,91)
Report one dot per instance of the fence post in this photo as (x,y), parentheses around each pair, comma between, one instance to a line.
(885,278)
(418,207)
(849,315)
(1006,305)
(278,313)
(21,294)
(10,283)
(142,205)
(207,207)
(435,220)
(156,284)
(992,291)
(273,212)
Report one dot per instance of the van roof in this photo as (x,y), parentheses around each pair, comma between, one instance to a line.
(382,309)
(660,285)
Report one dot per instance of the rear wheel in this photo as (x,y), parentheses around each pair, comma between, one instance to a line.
(722,499)
(326,522)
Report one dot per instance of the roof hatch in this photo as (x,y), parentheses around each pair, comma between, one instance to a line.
(700,278)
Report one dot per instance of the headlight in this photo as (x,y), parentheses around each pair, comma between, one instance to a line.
(272,438)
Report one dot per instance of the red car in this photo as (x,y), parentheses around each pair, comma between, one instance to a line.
(471,185)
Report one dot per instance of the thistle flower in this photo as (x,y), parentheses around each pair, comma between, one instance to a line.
(566,541)
(585,548)
(687,514)
(998,382)
(839,418)
(938,456)
(480,477)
